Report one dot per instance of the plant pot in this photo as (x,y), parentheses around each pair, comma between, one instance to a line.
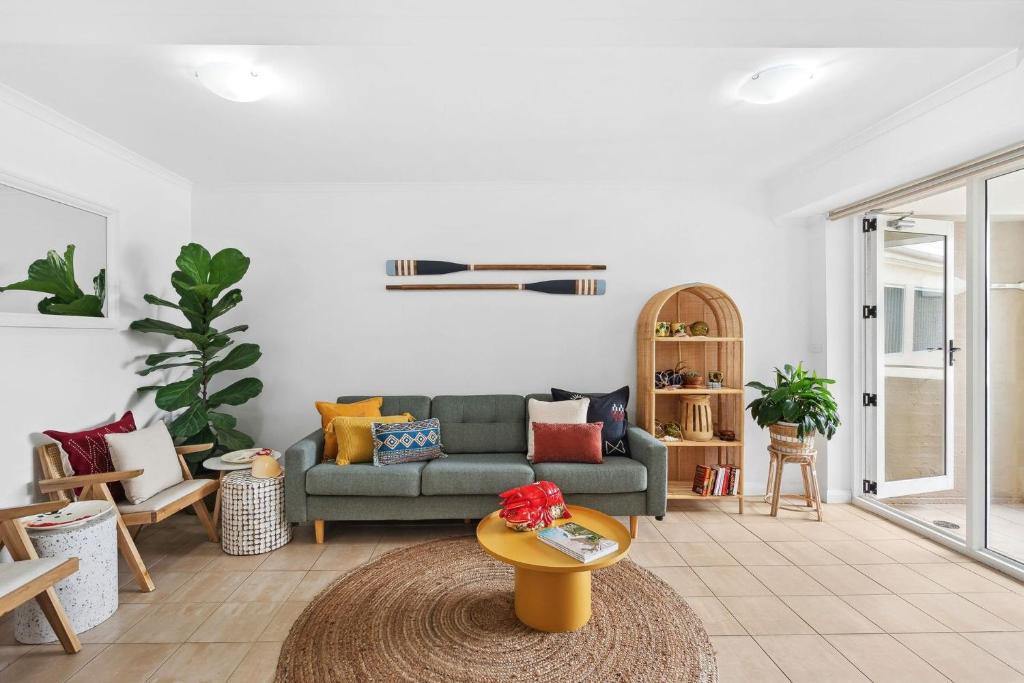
(785,440)
(697,418)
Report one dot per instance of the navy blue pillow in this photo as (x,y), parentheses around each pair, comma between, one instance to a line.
(609,409)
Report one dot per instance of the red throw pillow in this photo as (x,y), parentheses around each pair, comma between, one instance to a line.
(554,442)
(88,452)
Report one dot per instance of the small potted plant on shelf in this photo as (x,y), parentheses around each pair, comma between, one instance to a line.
(693,379)
(799,406)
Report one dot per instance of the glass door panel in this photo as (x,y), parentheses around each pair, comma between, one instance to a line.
(1005,361)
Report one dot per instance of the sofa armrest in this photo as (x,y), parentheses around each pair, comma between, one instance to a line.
(644,448)
(298,460)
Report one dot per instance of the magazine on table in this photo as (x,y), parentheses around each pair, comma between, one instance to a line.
(578,542)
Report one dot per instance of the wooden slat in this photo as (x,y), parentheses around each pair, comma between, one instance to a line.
(193,448)
(81,480)
(34,509)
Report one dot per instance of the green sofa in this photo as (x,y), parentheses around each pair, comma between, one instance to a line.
(485,439)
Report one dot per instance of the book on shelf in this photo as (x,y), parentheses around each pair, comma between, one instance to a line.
(578,542)
(716,480)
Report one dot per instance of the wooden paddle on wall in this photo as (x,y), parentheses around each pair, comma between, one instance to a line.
(578,287)
(413,267)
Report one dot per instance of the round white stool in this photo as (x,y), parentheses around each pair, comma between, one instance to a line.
(252,514)
(89,596)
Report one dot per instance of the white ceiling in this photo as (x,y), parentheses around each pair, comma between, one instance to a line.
(473,90)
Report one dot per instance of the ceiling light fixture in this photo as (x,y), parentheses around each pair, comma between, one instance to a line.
(235,82)
(775,84)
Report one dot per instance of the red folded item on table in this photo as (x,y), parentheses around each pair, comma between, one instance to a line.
(533,506)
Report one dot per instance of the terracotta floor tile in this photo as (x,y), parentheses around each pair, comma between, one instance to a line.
(884,659)
(704,554)
(765,615)
(168,623)
(740,658)
(730,581)
(758,552)
(235,622)
(1008,647)
(48,663)
(195,560)
(863,530)
(126,616)
(293,557)
(207,586)
(201,663)
(905,551)
(829,614)
(267,586)
(958,613)
(1007,607)
(817,531)
(125,662)
(682,532)
(787,580)
(772,531)
(236,563)
(277,629)
(855,552)
(809,659)
(683,580)
(259,664)
(900,579)
(166,584)
(655,555)
(312,583)
(717,620)
(955,578)
(958,658)
(731,531)
(804,553)
(843,579)
(343,557)
(894,614)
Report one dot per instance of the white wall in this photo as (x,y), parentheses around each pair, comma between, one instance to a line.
(65,378)
(316,303)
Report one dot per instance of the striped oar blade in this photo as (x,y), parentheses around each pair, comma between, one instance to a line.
(414,267)
(576,287)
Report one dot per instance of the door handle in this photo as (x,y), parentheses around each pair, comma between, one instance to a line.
(952,351)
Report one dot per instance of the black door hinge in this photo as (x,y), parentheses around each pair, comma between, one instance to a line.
(870,311)
(868,224)
(870,400)
(870,487)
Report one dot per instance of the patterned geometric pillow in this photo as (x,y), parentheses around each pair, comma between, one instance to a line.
(406,442)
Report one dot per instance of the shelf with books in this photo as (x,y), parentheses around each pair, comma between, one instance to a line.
(719,352)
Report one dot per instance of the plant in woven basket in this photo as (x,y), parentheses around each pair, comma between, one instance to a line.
(201,281)
(799,398)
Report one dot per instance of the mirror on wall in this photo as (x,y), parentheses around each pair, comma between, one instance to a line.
(53,264)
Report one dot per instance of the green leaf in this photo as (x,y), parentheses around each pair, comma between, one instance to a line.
(157,326)
(227,267)
(226,303)
(154,368)
(99,284)
(87,305)
(233,440)
(190,421)
(157,301)
(240,357)
(237,393)
(156,358)
(222,420)
(179,394)
(236,328)
(194,262)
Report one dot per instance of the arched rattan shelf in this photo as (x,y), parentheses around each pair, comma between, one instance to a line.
(721,349)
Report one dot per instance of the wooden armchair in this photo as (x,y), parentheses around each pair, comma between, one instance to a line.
(60,486)
(30,576)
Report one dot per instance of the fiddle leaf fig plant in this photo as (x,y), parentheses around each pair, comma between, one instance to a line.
(798,397)
(55,275)
(201,281)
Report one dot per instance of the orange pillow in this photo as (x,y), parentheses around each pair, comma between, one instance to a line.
(355,436)
(328,411)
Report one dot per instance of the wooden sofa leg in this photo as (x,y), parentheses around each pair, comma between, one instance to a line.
(318,530)
(634,526)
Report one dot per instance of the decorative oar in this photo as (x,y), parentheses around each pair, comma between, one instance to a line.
(578,287)
(412,267)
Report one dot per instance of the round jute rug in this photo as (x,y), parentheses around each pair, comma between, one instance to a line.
(443,612)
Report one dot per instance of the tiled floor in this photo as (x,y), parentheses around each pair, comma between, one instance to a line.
(1006,520)
(852,599)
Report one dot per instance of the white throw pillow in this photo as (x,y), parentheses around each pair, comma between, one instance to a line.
(554,412)
(149,449)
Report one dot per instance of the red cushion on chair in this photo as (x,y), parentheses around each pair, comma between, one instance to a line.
(88,452)
(555,442)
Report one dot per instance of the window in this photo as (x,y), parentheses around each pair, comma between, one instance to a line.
(894,319)
(929,332)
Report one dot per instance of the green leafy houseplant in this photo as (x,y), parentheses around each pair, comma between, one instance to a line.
(201,281)
(55,275)
(798,397)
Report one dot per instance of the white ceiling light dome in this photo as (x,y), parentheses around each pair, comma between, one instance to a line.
(235,82)
(775,84)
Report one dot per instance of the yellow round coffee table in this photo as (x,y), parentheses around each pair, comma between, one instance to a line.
(552,589)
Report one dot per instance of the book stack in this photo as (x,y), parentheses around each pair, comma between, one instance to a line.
(716,480)
(578,542)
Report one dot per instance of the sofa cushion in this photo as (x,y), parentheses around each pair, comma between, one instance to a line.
(617,474)
(363,479)
(475,473)
(489,423)
(419,406)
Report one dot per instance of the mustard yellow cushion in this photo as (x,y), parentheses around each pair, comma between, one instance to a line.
(328,411)
(355,436)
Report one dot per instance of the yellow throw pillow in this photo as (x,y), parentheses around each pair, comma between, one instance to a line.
(355,436)
(328,411)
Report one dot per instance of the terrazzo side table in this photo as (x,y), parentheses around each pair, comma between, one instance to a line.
(89,596)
